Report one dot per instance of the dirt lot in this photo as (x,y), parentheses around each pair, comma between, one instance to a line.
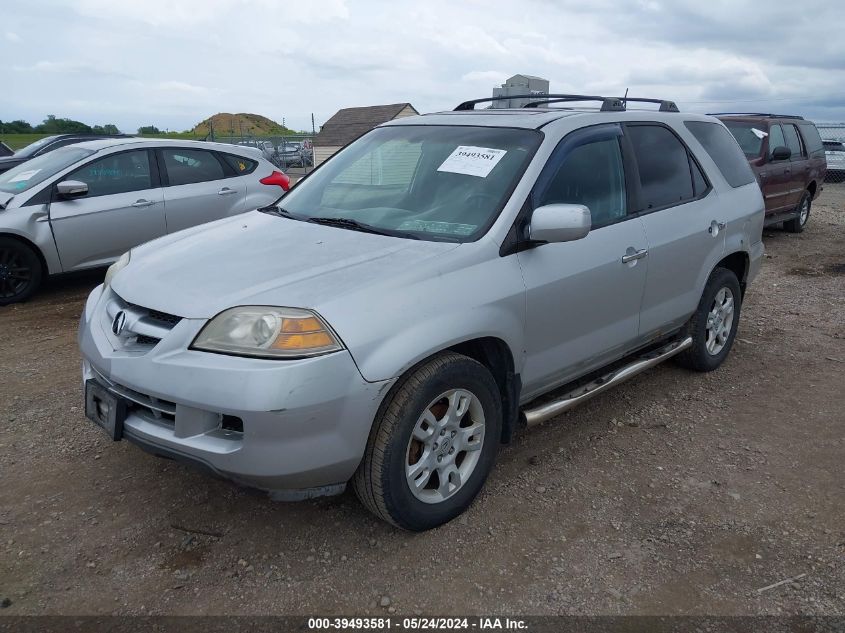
(677,493)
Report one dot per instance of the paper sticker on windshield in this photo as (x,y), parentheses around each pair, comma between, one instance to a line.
(427,226)
(759,133)
(24,175)
(472,161)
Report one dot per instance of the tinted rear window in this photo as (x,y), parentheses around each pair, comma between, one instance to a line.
(724,150)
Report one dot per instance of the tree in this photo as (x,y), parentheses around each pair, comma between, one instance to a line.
(108,128)
(149,129)
(52,125)
(15,127)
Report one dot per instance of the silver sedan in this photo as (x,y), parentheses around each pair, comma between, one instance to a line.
(84,205)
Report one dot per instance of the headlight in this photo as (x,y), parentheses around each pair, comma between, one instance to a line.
(266,332)
(115,268)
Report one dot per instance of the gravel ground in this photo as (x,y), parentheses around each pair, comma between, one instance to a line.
(677,493)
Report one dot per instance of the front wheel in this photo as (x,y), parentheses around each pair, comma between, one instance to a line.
(714,324)
(432,444)
(797,224)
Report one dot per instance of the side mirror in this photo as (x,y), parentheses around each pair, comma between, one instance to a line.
(559,223)
(72,189)
(781,152)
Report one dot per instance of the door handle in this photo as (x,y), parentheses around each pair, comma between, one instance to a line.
(225,191)
(143,203)
(630,257)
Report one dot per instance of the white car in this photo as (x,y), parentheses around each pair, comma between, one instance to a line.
(834,152)
(84,205)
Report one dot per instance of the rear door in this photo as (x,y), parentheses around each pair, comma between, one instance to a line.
(799,164)
(124,207)
(199,186)
(683,233)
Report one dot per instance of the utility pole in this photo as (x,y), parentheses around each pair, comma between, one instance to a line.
(312,124)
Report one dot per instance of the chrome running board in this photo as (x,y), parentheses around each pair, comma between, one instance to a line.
(541,413)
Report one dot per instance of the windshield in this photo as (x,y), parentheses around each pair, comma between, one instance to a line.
(35,171)
(441,183)
(749,136)
(30,149)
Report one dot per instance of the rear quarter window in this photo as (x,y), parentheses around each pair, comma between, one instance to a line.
(812,140)
(241,165)
(723,148)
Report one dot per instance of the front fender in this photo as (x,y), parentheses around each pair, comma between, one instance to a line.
(389,331)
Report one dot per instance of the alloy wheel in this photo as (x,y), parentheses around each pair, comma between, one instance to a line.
(719,321)
(15,273)
(445,446)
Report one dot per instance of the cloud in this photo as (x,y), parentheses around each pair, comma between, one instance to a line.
(12,36)
(175,62)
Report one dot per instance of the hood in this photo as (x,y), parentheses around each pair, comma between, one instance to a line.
(259,259)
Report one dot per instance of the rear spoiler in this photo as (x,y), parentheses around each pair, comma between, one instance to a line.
(5,199)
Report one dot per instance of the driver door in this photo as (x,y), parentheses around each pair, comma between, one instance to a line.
(124,207)
(583,298)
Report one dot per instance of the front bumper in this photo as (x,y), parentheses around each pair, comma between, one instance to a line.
(305,422)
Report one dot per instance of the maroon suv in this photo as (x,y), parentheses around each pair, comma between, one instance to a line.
(787,156)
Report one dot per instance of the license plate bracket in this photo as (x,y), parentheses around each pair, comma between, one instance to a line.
(105,409)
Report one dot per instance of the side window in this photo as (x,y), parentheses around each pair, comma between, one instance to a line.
(792,140)
(721,146)
(776,138)
(241,165)
(116,173)
(591,175)
(663,164)
(188,166)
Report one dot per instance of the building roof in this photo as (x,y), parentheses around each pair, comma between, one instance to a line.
(350,123)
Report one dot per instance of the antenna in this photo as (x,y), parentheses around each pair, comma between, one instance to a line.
(625,99)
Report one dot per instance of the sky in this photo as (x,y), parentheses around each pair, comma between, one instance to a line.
(172,63)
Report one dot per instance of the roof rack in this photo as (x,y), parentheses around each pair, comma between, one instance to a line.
(608,104)
(763,114)
(665,106)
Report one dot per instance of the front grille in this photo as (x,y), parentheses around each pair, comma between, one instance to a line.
(143,328)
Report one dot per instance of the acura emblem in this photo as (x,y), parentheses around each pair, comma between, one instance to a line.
(119,322)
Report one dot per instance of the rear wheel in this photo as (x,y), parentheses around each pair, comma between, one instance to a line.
(20,271)
(432,444)
(713,326)
(797,224)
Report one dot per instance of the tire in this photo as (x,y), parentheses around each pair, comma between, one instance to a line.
(709,350)
(797,224)
(449,390)
(21,271)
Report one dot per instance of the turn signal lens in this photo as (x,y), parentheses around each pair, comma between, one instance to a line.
(267,332)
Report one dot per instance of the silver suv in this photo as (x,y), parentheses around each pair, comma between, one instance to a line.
(437,284)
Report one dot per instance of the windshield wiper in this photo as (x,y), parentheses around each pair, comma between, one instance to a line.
(354,225)
(274,209)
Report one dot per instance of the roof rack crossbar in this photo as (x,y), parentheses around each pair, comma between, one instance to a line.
(665,106)
(764,114)
(608,103)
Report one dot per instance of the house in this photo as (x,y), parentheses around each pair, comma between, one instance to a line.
(350,123)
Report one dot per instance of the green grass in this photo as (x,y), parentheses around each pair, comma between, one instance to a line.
(17,141)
